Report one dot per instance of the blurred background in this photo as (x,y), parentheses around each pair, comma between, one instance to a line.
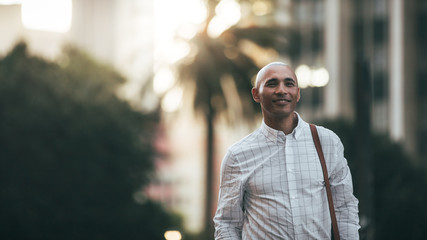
(115,115)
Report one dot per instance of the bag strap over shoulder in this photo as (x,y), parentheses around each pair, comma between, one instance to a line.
(316,140)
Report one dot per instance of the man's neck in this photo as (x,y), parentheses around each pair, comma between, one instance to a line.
(285,124)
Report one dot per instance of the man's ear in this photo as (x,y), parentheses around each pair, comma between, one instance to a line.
(255,95)
(299,95)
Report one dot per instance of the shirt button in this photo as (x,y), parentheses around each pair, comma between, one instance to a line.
(294,197)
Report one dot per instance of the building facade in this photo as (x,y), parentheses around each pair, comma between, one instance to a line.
(388,37)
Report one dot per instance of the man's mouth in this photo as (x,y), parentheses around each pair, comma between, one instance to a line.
(282,100)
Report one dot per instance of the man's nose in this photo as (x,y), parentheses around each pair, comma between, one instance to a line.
(281,89)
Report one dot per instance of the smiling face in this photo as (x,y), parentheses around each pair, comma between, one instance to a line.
(277,92)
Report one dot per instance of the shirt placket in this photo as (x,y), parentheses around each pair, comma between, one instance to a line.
(292,182)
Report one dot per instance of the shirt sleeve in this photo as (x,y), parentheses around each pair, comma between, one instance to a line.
(345,203)
(229,215)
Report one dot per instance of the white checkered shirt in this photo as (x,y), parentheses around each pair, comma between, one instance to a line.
(272,187)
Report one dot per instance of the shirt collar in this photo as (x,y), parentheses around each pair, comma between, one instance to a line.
(273,134)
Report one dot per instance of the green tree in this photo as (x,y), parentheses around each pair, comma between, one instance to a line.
(72,153)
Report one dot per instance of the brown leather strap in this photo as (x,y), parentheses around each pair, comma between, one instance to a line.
(326,178)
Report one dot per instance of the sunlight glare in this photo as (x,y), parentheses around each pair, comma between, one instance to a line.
(303,73)
(320,77)
(47,15)
(172,101)
(308,77)
(177,50)
(175,18)
(163,80)
(172,51)
(187,31)
(227,14)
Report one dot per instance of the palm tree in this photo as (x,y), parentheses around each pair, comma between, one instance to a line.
(207,72)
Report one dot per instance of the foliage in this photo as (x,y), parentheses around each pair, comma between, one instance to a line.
(221,57)
(400,187)
(206,71)
(72,153)
(285,40)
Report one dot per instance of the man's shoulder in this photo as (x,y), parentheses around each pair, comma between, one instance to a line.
(245,143)
(325,134)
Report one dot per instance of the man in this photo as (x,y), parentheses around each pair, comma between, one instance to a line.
(271,184)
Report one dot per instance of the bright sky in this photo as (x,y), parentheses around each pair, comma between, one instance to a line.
(47,15)
(8,2)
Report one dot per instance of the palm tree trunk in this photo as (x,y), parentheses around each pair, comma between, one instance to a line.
(209,118)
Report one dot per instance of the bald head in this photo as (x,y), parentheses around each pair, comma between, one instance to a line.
(261,72)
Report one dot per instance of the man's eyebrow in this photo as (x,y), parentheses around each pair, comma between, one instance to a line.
(288,79)
(271,79)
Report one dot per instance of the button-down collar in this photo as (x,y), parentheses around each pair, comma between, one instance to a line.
(274,135)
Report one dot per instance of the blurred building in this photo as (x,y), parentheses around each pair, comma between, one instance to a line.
(389,38)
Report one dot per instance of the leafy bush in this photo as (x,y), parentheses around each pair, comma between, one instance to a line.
(72,153)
